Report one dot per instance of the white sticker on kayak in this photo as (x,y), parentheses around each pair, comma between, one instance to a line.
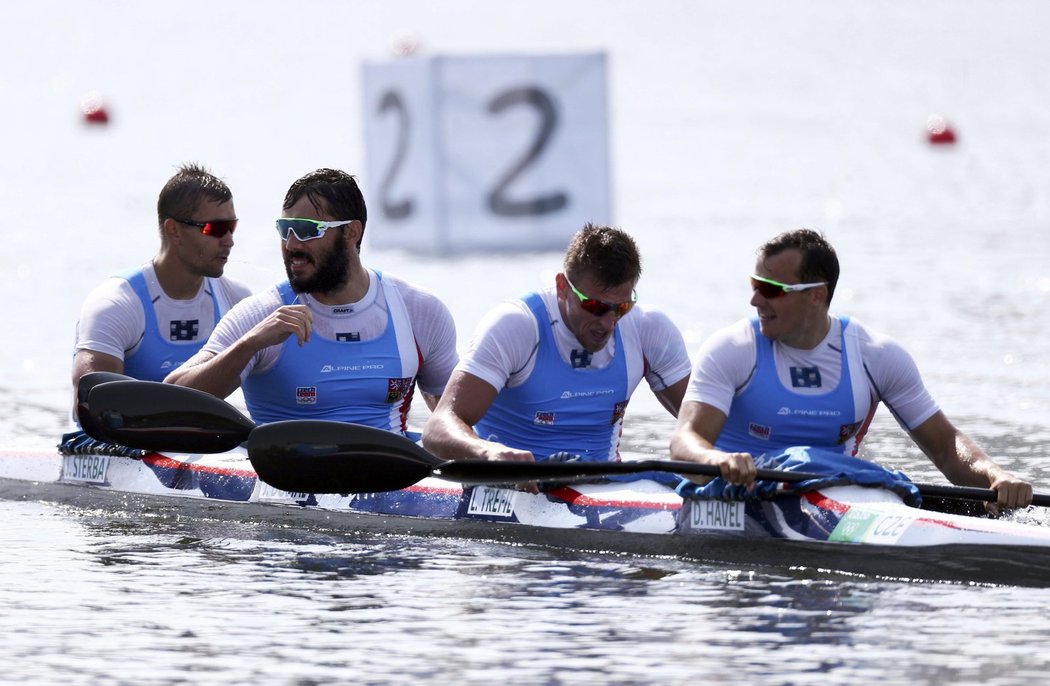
(88,469)
(720,515)
(858,526)
(267,493)
(495,502)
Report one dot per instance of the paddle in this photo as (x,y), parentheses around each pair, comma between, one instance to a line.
(336,457)
(157,416)
(84,386)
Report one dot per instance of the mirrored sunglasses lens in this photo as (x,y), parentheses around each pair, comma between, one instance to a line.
(623,308)
(767,290)
(219,227)
(595,307)
(303,230)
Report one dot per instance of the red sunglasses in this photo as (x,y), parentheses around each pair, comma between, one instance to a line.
(769,289)
(599,308)
(216,227)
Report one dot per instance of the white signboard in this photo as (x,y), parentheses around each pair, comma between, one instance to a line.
(485,153)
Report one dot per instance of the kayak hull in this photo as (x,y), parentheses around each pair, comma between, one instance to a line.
(840,530)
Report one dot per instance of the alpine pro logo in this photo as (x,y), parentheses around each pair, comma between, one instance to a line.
(791,411)
(306,395)
(351,368)
(568,395)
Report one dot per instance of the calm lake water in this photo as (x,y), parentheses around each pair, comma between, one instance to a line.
(730,123)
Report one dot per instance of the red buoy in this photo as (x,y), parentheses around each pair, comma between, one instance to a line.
(94,109)
(938,131)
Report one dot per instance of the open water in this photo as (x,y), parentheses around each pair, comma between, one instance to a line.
(730,122)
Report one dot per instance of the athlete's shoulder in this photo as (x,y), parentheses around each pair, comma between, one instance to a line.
(868,337)
(235,289)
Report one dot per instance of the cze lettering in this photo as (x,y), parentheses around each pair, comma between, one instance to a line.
(888,529)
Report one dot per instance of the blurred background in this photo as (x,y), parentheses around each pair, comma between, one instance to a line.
(728,123)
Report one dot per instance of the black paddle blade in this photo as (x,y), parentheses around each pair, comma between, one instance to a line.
(158,416)
(316,456)
(84,386)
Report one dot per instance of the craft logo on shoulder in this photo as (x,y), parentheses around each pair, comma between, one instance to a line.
(543,418)
(306,395)
(396,389)
(759,431)
(619,410)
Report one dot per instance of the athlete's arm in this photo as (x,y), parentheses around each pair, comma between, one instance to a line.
(699,426)
(86,361)
(449,431)
(220,373)
(671,397)
(964,463)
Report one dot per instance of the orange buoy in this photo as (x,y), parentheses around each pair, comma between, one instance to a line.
(94,109)
(938,131)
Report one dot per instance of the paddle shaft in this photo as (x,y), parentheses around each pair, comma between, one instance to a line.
(473,472)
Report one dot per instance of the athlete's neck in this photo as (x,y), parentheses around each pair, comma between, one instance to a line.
(175,280)
(355,288)
(810,334)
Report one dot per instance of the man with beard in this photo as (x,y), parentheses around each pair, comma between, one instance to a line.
(336,340)
(147,321)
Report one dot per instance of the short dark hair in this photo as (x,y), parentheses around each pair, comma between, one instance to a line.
(339,192)
(819,261)
(184,193)
(607,254)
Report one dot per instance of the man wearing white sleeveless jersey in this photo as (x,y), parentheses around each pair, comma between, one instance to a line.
(147,321)
(553,372)
(337,340)
(795,376)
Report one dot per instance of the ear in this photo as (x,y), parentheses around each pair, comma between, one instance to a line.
(169,228)
(561,284)
(818,295)
(354,231)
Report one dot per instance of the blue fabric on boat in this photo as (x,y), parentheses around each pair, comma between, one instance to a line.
(840,470)
(79,443)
